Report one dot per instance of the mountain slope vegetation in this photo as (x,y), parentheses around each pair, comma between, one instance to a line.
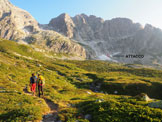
(85,91)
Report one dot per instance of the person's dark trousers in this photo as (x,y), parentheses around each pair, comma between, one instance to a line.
(40,89)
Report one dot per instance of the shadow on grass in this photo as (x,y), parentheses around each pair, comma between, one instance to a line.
(88,85)
(95,78)
(154,90)
(11,116)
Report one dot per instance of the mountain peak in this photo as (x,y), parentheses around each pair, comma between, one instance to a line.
(148,26)
(14,19)
(63,24)
(64,15)
(122,20)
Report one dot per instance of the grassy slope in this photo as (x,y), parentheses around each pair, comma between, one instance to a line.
(68,83)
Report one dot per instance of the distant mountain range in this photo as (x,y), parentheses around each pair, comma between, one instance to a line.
(84,36)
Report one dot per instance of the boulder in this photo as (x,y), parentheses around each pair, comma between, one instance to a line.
(48,115)
(88,92)
(146,98)
(115,92)
(99,100)
(88,116)
(143,97)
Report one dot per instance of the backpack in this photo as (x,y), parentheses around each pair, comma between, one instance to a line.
(33,80)
(41,80)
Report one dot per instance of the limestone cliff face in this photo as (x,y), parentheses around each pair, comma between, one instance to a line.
(119,35)
(63,24)
(55,42)
(17,24)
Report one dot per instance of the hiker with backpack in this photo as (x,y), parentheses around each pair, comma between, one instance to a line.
(41,83)
(33,84)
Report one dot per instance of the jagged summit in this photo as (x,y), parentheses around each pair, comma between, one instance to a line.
(64,15)
(104,37)
(17,24)
(88,16)
(23,16)
(63,24)
(82,22)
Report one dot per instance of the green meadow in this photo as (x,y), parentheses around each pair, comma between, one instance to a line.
(104,91)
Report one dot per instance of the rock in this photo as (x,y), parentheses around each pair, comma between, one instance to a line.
(157,104)
(69,105)
(88,92)
(40,101)
(88,116)
(146,98)
(99,100)
(39,65)
(115,92)
(63,24)
(19,103)
(48,115)
(14,21)
(143,97)
(98,87)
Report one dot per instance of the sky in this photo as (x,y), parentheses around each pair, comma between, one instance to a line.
(142,11)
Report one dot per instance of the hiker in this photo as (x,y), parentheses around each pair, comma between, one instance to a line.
(41,83)
(33,80)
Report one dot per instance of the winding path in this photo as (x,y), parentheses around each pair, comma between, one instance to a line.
(52,115)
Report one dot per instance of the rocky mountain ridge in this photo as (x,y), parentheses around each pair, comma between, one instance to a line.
(84,36)
(108,37)
(17,24)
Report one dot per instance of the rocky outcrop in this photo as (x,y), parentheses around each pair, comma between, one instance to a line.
(143,97)
(57,43)
(117,36)
(17,24)
(63,24)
